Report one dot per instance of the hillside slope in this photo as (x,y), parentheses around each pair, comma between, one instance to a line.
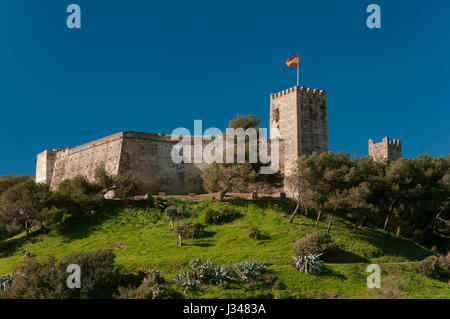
(142,238)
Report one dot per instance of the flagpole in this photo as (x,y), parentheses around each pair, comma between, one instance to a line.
(298,62)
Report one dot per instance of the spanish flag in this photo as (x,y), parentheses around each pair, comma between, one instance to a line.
(292,61)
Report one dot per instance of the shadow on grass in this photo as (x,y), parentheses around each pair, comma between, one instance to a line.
(208,234)
(342,256)
(399,247)
(200,244)
(328,272)
(13,246)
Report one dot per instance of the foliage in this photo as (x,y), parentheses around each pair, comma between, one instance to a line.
(37,280)
(200,273)
(429,266)
(254,233)
(222,177)
(174,213)
(6,280)
(26,204)
(77,196)
(151,287)
(193,230)
(247,271)
(444,262)
(124,184)
(308,264)
(227,214)
(98,278)
(315,243)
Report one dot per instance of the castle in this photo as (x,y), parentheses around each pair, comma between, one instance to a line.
(390,150)
(298,117)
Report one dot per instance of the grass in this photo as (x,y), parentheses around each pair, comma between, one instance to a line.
(147,240)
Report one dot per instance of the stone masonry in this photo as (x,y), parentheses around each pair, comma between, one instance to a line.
(299,113)
(387,149)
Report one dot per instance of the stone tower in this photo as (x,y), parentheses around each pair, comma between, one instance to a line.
(300,115)
(390,150)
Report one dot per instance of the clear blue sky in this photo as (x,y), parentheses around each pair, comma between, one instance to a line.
(153,66)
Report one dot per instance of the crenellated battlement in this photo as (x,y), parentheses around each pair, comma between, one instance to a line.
(296,88)
(387,149)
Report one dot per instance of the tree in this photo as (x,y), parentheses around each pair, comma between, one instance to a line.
(123,185)
(225,177)
(300,182)
(25,203)
(222,177)
(9,181)
(77,196)
(174,213)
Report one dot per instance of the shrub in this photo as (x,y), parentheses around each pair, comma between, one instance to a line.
(429,267)
(218,217)
(308,264)
(98,278)
(247,271)
(193,230)
(173,213)
(202,273)
(444,262)
(162,203)
(151,288)
(37,280)
(315,243)
(254,233)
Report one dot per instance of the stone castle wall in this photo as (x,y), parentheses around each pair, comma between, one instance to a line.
(300,114)
(385,150)
(147,155)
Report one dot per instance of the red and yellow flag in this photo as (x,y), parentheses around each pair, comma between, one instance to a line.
(292,61)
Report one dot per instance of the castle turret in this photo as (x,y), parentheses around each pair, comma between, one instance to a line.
(300,115)
(387,149)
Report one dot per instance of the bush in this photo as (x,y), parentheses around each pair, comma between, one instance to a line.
(202,273)
(77,196)
(254,233)
(37,280)
(247,271)
(98,275)
(218,217)
(429,267)
(444,262)
(308,264)
(151,287)
(315,243)
(193,230)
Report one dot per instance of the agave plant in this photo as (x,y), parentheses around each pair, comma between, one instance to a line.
(6,280)
(219,276)
(186,280)
(308,264)
(248,271)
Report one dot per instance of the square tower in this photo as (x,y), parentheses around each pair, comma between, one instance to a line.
(300,115)
(390,150)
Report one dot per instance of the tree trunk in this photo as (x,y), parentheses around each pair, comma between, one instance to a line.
(329,224)
(172,223)
(294,213)
(180,240)
(356,226)
(386,222)
(318,218)
(363,221)
(398,231)
(221,196)
(27,230)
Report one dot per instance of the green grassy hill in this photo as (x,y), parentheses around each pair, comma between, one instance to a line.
(141,239)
